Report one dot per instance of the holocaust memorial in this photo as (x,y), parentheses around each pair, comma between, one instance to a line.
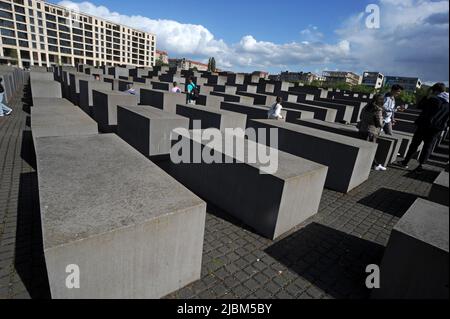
(135,181)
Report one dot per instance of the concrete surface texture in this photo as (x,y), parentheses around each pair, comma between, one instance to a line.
(86,89)
(148,129)
(439,190)
(415,264)
(99,197)
(49,89)
(105,107)
(211,118)
(61,121)
(272,203)
(163,100)
(349,160)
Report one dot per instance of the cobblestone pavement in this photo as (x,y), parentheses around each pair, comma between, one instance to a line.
(325,257)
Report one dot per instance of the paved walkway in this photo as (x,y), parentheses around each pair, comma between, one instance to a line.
(325,257)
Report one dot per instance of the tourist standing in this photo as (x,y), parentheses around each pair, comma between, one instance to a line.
(275,110)
(430,124)
(4,110)
(371,124)
(192,91)
(389,108)
(175,88)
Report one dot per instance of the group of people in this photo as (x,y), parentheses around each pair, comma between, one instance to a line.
(4,110)
(379,116)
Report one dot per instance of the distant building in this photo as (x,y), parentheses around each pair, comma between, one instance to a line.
(163,56)
(409,84)
(342,77)
(186,64)
(261,74)
(373,79)
(305,77)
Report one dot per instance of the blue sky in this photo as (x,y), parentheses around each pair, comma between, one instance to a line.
(297,35)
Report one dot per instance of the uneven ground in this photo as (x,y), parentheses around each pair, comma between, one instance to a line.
(325,257)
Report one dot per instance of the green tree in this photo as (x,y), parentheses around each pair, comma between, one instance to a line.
(212,64)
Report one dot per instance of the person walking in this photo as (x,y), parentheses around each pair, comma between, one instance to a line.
(275,110)
(431,123)
(371,124)
(389,108)
(4,110)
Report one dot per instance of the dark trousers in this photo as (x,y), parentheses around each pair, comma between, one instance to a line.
(370,137)
(429,137)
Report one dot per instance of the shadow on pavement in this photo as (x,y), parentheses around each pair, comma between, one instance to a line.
(332,260)
(390,201)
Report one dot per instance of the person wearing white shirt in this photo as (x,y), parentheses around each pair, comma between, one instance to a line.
(275,111)
(389,108)
(175,88)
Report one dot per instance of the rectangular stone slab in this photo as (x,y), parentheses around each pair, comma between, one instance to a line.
(415,264)
(387,149)
(40,102)
(235,98)
(41,76)
(259,99)
(163,100)
(439,190)
(252,111)
(320,113)
(148,129)
(49,89)
(271,203)
(74,79)
(49,121)
(132,230)
(349,160)
(86,89)
(105,107)
(212,118)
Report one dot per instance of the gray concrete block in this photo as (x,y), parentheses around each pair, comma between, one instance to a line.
(349,159)
(439,190)
(270,203)
(132,230)
(41,76)
(210,101)
(415,264)
(251,111)
(105,107)
(86,89)
(49,121)
(258,99)
(320,113)
(74,80)
(211,118)
(388,146)
(46,89)
(163,100)
(41,102)
(148,129)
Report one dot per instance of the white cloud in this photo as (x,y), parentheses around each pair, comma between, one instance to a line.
(412,40)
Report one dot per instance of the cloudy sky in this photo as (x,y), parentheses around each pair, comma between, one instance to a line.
(245,35)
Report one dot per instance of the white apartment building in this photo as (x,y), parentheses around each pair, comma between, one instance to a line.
(34,32)
(373,79)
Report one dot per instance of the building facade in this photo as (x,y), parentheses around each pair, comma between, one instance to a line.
(34,32)
(162,56)
(351,78)
(186,64)
(373,79)
(304,77)
(409,84)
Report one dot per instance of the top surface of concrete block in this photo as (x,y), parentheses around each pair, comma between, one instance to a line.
(442,179)
(428,222)
(50,102)
(342,139)
(152,112)
(94,184)
(289,166)
(41,76)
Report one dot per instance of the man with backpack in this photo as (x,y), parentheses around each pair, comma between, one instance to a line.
(193,92)
(430,124)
